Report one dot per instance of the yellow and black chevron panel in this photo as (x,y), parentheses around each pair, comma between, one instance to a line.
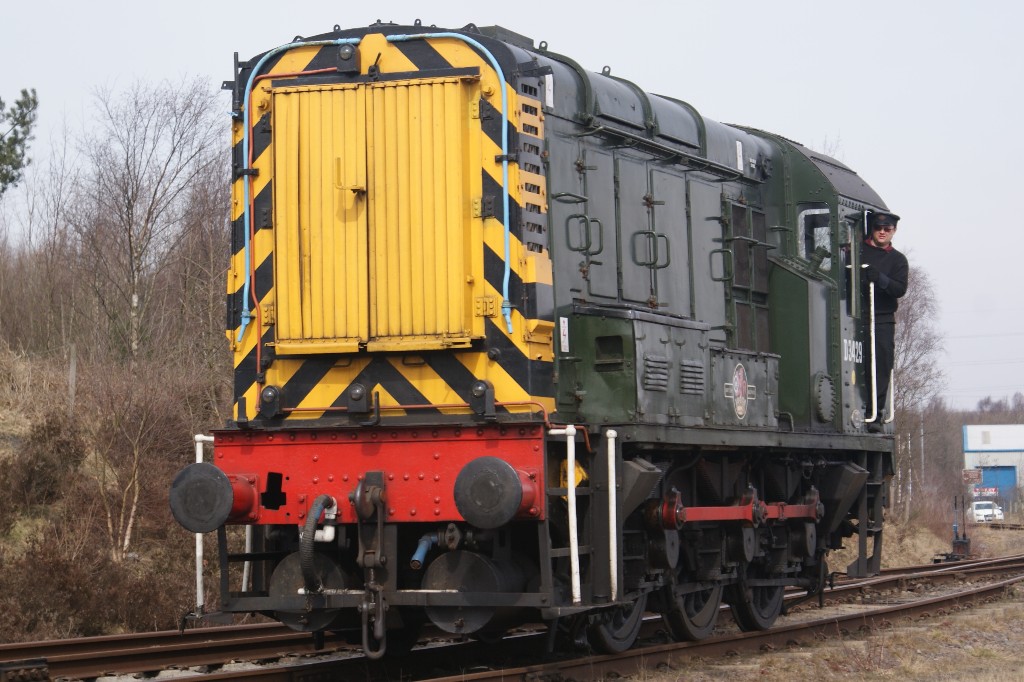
(371,244)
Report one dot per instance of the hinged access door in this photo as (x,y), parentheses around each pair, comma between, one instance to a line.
(372,215)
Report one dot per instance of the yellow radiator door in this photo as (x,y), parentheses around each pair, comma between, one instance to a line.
(372,215)
(321,268)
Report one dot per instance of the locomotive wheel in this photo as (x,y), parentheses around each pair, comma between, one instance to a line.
(286,580)
(757,607)
(620,630)
(691,616)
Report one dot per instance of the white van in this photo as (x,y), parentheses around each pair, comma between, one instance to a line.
(986,511)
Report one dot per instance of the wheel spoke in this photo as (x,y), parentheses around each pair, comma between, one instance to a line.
(755,607)
(692,615)
(620,630)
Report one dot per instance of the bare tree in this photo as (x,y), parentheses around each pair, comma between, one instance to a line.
(137,202)
(150,147)
(918,380)
(38,313)
(919,376)
(133,423)
(192,286)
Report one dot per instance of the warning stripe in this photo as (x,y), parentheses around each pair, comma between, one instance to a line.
(437,377)
(422,55)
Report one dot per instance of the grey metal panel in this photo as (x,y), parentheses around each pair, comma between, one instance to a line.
(672,373)
(618,101)
(706,257)
(744,388)
(567,96)
(675,122)
(599,182)
(634,220)
(672,282)
(722,148)
(645,315)
(565,191)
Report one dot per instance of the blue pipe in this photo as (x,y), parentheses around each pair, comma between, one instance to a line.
(247,130)
(426,542)
(506,305)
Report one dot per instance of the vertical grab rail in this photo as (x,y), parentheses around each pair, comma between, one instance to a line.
(570,491)
(199,440)
(874,352)
(613,517)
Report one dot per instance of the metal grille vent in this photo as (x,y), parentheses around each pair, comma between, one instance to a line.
(691,377)
(656,373)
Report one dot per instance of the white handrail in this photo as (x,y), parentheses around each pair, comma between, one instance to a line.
(890,399)
(570,490)
(874,353)
(613,517)
(199,439)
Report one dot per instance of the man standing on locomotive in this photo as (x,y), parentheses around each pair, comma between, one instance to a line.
(887,269)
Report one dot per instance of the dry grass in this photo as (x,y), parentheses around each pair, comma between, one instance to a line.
(982,644)
(902,545)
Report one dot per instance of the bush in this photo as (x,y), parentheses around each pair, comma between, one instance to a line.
(40,472)
(50,593)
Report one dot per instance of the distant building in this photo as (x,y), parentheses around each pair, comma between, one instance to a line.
(998,451)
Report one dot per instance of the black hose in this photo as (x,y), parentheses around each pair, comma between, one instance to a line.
(311,579)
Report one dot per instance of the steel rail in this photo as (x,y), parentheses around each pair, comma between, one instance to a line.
(146,652)
(642,660)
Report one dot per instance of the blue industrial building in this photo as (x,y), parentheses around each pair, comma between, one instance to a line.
(998,451)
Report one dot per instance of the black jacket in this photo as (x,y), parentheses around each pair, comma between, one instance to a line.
(892,278)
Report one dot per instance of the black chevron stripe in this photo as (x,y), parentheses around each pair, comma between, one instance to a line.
(245,371)
(325,58)
(492,188)
(382,372)
(264,281)
(261,139)
(535,377)
(423,55)
(308,377)
(490,123)
(237,235)
(262,207)
(455,374)
(494,273)
(264,278)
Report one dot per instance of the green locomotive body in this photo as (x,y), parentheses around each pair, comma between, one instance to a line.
(518,341)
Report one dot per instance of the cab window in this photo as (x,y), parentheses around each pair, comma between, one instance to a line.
(814,235)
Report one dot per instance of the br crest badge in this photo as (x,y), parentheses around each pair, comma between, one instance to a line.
(740,391)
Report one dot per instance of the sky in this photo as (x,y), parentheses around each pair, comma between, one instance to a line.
(922,99)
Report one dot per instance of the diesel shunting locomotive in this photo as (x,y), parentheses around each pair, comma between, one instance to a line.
(519,342)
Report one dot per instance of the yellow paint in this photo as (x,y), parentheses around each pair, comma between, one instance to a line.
(373,239)
(392,60)
(434,389)
(537,268)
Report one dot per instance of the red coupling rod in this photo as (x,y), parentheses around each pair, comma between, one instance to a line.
(671,514)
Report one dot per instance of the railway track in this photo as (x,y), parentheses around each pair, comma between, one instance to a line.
(275,652)
(999,525)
